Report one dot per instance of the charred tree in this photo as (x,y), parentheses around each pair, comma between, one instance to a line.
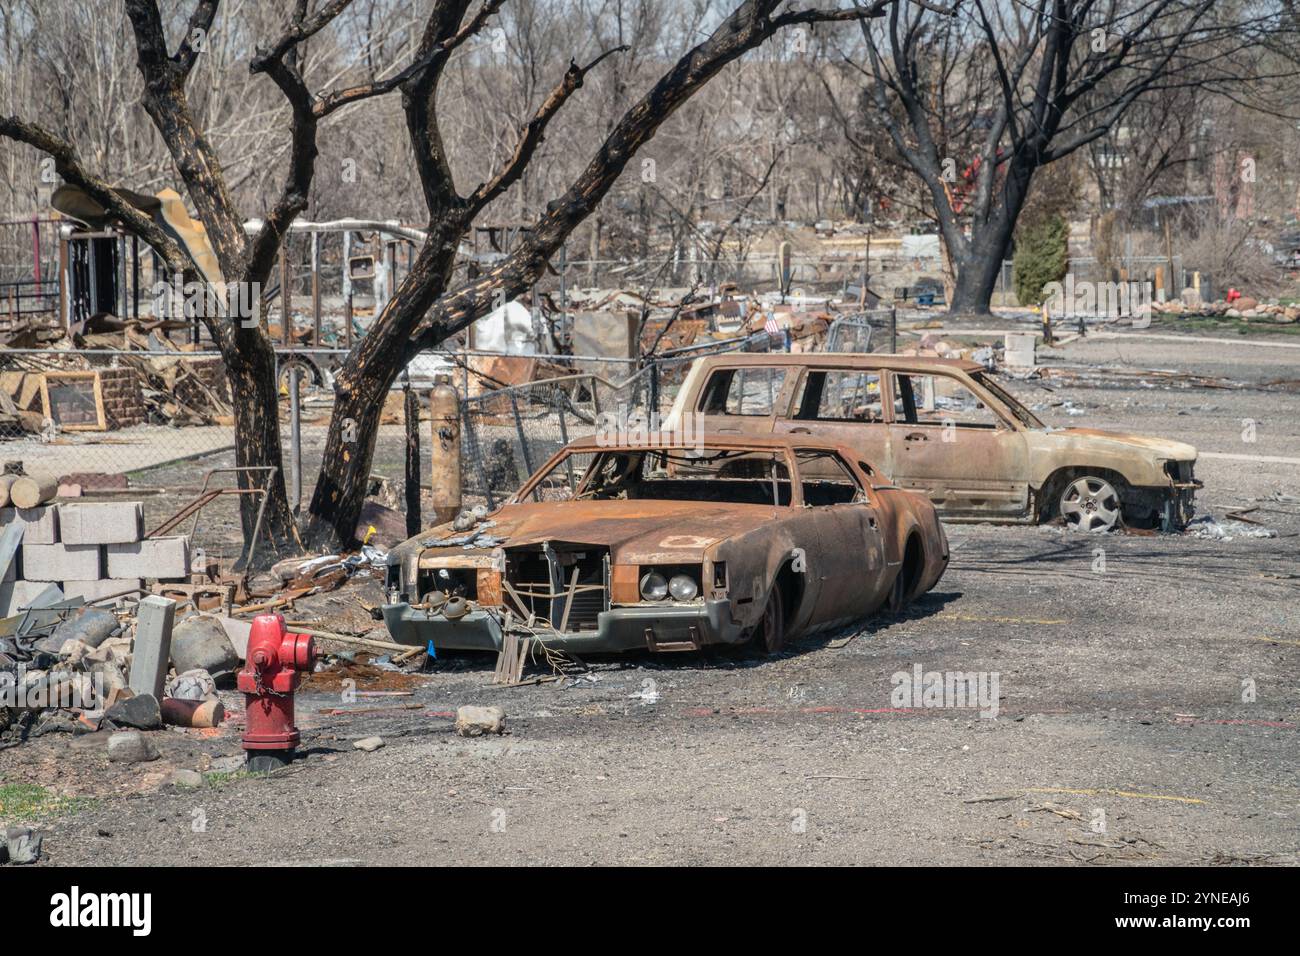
(976,103)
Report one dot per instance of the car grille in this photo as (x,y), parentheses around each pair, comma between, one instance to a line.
(542,577)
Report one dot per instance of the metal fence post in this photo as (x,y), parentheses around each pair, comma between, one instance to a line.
(564,438)
(519,429)
(411,420)
(893,330)
(295,439)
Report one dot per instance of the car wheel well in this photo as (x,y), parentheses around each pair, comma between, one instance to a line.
(1052,489)
(791,586)
(913,563)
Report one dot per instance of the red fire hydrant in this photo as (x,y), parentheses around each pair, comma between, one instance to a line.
(273,662)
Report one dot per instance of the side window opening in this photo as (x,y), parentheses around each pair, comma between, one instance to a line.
(826,479)
(742,391)
(840,395)
(939,400)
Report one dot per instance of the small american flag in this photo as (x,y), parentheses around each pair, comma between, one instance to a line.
(771,328)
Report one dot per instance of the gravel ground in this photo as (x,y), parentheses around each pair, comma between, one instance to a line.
(1124,734)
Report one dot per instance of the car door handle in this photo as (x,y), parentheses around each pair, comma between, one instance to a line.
(800,431)
(915,436)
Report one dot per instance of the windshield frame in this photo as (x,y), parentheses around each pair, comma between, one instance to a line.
(557,461)
(1012,404)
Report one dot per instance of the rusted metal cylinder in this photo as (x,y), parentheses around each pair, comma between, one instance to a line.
(192,713)
(444,475)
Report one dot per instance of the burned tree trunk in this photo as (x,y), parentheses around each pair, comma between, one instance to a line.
(257,433)
(977,272)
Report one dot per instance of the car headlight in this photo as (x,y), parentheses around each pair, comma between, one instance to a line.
(654,587)
(683,587)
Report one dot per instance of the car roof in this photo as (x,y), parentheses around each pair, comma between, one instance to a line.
(713,440)
(866,360)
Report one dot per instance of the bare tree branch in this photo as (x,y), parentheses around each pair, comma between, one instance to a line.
(533,133)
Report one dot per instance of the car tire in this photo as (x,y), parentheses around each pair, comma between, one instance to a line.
(897,601)
(1090,503)
(769,636)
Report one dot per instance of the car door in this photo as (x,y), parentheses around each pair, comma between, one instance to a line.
(947,442)
(744,399)
(841,405)
(843,538)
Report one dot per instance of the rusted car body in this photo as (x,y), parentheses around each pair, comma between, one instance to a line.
(945,428)
(667,546)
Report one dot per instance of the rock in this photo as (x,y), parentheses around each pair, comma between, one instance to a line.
(74,651)
(192,685)
(116,650)
(130,746)
(23,844)
(474,721)
(108,678)
(142,712)
(186,778)
(200,643)
(229,764)
(368,744)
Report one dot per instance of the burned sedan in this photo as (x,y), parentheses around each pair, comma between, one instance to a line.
(669,547)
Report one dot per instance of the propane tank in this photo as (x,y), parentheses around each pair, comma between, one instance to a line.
(444,475)
(273,663)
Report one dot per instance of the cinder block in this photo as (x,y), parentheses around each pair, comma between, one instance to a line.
(153,558)
(16,595)
(95,590)
(101,522)
(1016,359)
(151,650)
(61,562)
(42,523)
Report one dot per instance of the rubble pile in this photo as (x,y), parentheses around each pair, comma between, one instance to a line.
(112,391)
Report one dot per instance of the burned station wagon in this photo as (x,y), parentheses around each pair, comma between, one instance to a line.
(946,428)
(667,547)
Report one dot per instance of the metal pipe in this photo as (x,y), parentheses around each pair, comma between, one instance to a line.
(295,440)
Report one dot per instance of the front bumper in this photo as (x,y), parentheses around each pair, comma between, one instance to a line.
(669,627)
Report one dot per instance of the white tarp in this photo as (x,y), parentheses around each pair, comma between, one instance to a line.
(508,329)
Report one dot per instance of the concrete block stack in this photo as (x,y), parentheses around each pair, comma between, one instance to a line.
(90,549)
